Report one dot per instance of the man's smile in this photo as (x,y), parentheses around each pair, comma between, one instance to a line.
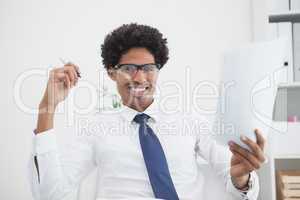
(138,91)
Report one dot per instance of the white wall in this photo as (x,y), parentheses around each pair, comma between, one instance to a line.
(33,34)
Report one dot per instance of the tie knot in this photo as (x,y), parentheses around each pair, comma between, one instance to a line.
(141,118)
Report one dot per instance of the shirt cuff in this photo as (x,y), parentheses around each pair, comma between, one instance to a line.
(252,191)
(44,142)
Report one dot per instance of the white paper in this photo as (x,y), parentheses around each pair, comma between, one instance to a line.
(249,100)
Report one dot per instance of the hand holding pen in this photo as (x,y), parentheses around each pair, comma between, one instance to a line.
(71,64)
(61,80)
(72,73)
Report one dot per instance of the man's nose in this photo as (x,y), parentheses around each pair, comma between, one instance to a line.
(139,76)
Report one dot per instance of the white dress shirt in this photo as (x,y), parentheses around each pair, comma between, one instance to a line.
(110,143)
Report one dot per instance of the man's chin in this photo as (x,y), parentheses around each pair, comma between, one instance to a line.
(142,95)
(140,101)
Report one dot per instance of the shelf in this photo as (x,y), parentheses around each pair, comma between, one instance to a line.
(287,156)
(286,106)
(293,17)
(289,85)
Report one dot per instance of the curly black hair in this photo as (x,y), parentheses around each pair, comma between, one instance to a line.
(128,36)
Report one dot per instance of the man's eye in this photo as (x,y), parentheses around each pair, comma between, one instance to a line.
(149,68)
(128,68)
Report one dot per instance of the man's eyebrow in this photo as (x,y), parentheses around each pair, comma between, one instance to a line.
(136,64)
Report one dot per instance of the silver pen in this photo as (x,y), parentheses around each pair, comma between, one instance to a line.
(64,62)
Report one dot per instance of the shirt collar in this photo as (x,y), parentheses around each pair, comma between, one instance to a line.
(152,110)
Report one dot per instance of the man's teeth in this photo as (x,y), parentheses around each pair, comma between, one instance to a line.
(138,89)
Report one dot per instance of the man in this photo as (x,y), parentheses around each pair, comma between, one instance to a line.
(152,155)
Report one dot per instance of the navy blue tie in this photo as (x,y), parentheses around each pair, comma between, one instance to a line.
(155,160)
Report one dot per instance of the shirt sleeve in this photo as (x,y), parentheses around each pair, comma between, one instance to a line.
(251,193)
(56,174)
(219,158)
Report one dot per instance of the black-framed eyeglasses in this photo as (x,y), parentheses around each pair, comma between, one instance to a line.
(132,69)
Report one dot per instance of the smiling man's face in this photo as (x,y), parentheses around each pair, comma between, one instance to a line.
(136,91)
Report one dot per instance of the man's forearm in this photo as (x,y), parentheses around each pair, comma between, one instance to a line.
(45,118)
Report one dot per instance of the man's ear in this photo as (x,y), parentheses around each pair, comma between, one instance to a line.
(111,73)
